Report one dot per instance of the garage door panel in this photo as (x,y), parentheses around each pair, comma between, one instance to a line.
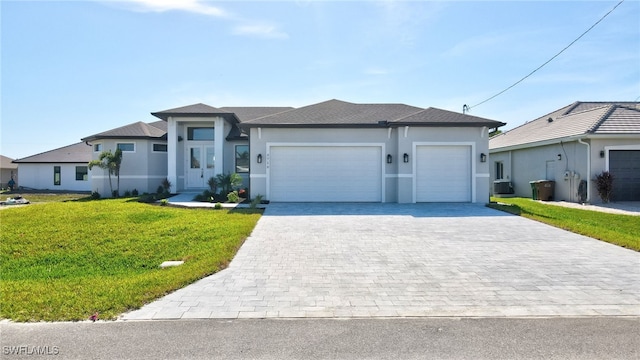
(443,173)
(325,173)
(624,165)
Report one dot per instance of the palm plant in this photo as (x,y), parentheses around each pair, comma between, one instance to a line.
(111,162)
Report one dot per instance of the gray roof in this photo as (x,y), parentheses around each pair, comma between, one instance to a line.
(6,163)
(245,113)
(438,117)
(75,153)
(195,110)
(579,118)
(337,113)
(138,130)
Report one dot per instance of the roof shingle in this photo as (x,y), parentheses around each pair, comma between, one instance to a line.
(138,130)
(75,153)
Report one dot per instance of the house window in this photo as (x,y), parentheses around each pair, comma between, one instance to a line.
(499,170)
(82,173)
(242,158)
(56,175)
(128,147)
(200,133)
(97,147)
(160,147)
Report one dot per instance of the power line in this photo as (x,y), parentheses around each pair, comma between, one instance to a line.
(466,108)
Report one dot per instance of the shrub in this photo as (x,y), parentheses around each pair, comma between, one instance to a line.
(213,184)
(233,197)
(604,185)
(147,198)
(160,189)
(166,185)
(257,200)
(164,202)
(115,193)
(217,206)
(134,192)
(95,195)
(228,182)
(127,193)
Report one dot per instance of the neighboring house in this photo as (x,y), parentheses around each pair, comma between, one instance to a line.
(8,171)
(144,157)
(571,146)
(60,169)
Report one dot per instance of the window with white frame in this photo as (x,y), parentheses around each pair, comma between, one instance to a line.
(126,147)
(97,147)
(57,175)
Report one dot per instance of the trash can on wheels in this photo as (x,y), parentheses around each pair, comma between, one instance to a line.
(534,189)
(546,190)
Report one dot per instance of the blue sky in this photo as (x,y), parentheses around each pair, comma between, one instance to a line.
(75,68)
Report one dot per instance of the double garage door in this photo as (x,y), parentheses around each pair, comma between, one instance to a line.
(355,173)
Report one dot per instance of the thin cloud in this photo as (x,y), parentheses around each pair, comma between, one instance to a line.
(194,6)
(263,31)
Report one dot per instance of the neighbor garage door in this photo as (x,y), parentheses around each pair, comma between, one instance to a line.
(325,173)
(624,165)
(443,173)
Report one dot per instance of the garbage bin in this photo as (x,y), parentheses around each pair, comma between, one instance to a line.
(546,189)
(534,189)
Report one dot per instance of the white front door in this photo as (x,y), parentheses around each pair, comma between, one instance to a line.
(200,165)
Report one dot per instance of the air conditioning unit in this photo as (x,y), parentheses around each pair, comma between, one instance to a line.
(502,187)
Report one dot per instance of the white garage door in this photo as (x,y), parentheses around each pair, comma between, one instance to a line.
(443,173)
(325,173)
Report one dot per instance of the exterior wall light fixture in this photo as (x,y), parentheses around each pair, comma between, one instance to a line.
(405,157)
(389,159)
(259,158)
(601,153)
(559,157)
(483,157)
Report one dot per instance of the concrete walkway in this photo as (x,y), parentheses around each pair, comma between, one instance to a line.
(403,260)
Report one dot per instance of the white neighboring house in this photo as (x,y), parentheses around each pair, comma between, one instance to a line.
(63,169)
(571,146)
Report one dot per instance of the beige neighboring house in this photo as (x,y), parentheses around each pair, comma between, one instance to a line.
(63,169)
(8,171)
(570,146)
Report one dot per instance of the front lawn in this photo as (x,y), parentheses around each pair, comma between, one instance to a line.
(69,260)
(622,230)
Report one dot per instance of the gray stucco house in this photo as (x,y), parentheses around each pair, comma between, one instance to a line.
(571,146)
(8,171)
(331,151)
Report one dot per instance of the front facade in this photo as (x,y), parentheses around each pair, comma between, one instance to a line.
(332,151)
(63,169)
(337,151)
(570,147)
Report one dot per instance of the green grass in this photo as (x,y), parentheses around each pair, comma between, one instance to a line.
(622,230)
(66,261)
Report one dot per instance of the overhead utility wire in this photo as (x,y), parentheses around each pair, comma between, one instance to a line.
(466,108)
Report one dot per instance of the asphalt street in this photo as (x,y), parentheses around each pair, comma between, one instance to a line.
(419,338)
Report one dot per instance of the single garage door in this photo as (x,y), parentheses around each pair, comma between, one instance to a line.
(325,173)
(624,165)
(443,173)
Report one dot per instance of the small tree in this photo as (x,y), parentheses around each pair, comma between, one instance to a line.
(111,162)
(604,185)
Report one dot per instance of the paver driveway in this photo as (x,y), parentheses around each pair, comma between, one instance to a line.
(368,260)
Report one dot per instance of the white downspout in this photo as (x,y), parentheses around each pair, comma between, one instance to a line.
(588,169)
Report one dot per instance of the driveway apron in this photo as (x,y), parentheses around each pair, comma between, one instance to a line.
(409,260)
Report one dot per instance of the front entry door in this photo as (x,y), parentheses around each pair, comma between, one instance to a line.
(200,166)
